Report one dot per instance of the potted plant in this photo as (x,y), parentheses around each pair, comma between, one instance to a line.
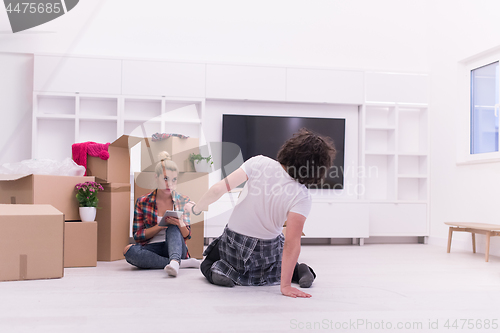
(201,164)
(86,194)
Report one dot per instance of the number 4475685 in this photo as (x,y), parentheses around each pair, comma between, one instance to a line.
(472,324)
(35,8)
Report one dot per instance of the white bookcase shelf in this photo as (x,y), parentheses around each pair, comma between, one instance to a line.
(98,107)
(55,105)
(377,153)
(413,127)
(400,171)
(142,108)
(381,128)
(52,137)
(101,131)
(380,116)
(56,116)
(397,179)
(103,118)
(59,120)
(411,176)
(378,140)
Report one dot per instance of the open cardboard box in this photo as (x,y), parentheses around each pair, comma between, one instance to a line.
(58,191)
(116,169)
(179,149)
(192,184)
(38,251)
(80,244)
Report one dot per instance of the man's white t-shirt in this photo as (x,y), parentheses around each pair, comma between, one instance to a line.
(267,198)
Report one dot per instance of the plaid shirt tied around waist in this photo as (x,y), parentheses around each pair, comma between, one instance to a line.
(248,261)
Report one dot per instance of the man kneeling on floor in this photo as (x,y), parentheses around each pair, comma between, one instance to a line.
(252,250)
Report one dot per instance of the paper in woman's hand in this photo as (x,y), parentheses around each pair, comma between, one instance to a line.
(173,213)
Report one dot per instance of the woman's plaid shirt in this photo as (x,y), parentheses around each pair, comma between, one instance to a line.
(145,214)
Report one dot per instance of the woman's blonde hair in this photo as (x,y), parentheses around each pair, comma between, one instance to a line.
(165,162)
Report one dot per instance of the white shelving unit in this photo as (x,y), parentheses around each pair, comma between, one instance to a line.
(395,155)
(61,119)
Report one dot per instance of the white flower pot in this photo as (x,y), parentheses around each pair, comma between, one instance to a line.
(87,214)
(202,166)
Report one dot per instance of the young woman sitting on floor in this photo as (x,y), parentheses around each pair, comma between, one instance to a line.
(162,247)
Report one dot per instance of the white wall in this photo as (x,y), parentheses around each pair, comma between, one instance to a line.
(383,34)
(413,36)
(459,193)
(16,91)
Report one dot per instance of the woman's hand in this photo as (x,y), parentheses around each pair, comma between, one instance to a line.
(293,292)
(174,221)
(179,223)
(189,206)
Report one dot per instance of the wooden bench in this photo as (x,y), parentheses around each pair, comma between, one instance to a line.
(474,228)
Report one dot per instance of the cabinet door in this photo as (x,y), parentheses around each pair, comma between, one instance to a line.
(163,78)
(394,87)
(82,75)
(325,86)
(337,220)
(391,219)
(246,82)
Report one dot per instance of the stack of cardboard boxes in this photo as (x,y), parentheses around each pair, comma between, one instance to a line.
(190,183)
(40,221)
(35,212)
(113,214)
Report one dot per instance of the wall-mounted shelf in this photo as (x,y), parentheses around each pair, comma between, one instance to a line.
(399,176)
(90,117)
(412,176)
(103,118)
(56,116)
(381,128)
(384,153)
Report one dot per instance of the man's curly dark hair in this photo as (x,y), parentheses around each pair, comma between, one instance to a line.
(307,156)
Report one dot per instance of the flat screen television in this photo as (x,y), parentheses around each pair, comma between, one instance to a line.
(264,135)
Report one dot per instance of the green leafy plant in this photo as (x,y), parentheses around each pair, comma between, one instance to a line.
(86,193)
(197,158)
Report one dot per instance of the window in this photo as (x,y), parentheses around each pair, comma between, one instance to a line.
(479,108)
(484,109)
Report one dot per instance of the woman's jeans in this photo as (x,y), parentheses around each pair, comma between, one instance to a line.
(158,255)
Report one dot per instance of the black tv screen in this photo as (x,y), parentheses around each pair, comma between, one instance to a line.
(264,135)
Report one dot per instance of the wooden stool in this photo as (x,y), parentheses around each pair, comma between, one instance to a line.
(474,228)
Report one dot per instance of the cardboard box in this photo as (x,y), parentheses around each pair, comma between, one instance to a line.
(116,169)
(196,243)
(58,191)
(113,221)
(32,243)
(192,184)
(80,244)
(179,149)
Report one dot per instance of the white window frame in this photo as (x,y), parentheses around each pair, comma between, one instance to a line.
(464,155)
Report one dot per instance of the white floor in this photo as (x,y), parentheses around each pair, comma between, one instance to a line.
(374,287)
